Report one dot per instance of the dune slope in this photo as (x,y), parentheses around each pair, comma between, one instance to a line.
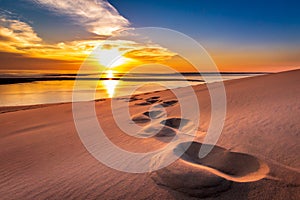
(256,157)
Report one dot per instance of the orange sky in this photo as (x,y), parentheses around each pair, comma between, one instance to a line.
(22,47)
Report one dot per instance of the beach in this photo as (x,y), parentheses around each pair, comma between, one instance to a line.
(256,156)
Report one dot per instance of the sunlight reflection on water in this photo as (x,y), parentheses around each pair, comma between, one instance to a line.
(42,92)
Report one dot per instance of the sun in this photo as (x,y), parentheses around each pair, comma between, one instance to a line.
(111,58)
(109,74)
(119,61)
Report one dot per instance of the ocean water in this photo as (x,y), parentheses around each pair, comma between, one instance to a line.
(42,87)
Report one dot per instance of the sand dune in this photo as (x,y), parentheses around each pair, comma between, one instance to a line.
(256,157)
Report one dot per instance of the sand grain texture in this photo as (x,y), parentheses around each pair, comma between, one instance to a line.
(256,157)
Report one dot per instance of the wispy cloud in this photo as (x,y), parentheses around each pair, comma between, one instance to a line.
(97,16)
(16,35)
(19,38)
(150,54)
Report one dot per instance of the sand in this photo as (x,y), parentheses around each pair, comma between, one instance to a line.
(256,157)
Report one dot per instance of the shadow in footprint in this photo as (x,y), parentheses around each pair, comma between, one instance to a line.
(175,122)
(190,181)
(209,176)
(153,100)
(159,132)
(131,99)
(233,166)
(147,116)
(168,103)
(155,97)
(143,103)
(153,114)
(140,119)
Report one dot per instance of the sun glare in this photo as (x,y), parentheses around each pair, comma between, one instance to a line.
(119,61)
(111,58)
(110,85)
(109,74)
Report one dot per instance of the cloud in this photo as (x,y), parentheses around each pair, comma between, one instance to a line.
(150,54)
(22,43)
(19,37)
(15,34)
(97,16)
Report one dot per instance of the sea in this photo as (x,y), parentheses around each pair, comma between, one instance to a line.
(32,87)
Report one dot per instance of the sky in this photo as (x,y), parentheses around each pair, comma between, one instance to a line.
(60,34)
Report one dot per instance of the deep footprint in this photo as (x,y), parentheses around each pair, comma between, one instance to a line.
(169,103)
(211,175)
(175,122)
(190,180)
(153,114)
(143,104)
(153,100)
(140,119)
(134,99)
(159,131)
(155,97)
(234,166)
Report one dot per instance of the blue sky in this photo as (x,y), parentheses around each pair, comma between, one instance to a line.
(231,27)
(234,21)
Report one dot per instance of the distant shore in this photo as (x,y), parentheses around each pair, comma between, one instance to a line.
(63,77)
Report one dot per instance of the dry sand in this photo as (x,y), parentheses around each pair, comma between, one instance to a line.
(256,157)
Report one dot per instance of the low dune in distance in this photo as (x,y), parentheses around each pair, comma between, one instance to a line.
(256,156)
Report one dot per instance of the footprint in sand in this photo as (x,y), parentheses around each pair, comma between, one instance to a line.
(234,166)
(168,103)
(175,122)
(143,104)
(126,99)
(211,175)
(189,180)
(158,131)
(134,98)
(149,101)
(165,130)
(154,114)
(147,116)
(155,99)
(140,118)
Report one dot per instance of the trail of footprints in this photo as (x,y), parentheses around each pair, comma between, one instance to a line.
(193,175)
(221,166)
(160,125)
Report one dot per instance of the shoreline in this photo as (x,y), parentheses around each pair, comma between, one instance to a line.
(5,109)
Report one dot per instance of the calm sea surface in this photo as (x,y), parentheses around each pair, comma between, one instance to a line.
(57,86)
